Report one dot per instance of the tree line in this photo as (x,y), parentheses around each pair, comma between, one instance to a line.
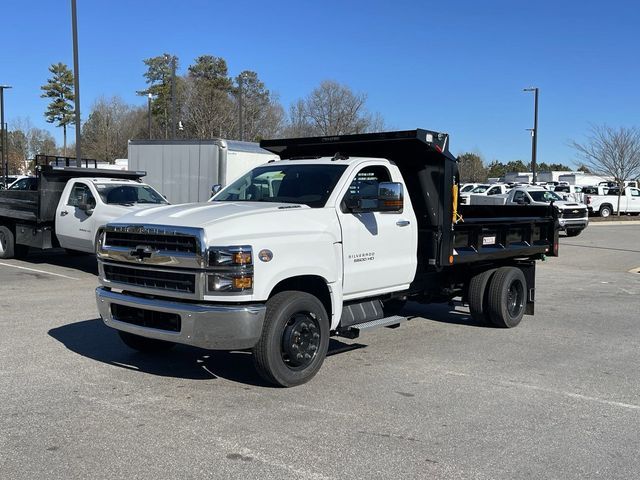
(204,102)
(473,169)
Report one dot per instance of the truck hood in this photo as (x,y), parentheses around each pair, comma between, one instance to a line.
(243,221)
(564,204)
(204,214)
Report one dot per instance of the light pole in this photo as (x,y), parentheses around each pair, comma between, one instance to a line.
(3,134)
(76,82)
(240,117)
(173,97)
(149,97)
(534,131)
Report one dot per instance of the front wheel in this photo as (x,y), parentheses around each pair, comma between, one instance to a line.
(294,341)
(573,232)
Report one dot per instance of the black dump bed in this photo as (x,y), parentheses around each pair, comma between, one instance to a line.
(448,234)
(40,205)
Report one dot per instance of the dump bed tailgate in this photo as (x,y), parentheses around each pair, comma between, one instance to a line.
(497,232)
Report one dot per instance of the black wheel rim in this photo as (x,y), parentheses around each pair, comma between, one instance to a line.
(300,340)
(515,298)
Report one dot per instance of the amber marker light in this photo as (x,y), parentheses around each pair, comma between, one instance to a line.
(242,283)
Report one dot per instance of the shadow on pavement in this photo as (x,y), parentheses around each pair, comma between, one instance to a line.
(92,339)
(83,262)
(442,313)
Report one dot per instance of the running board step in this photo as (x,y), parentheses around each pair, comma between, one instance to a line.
(353,331)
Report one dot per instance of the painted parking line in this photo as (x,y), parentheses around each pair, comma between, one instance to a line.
(38,271)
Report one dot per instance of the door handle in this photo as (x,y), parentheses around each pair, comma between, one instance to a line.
(402,223)
(63,213)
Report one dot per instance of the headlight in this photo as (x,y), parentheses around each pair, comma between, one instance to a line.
(230,256)
(232,269)
(231,282)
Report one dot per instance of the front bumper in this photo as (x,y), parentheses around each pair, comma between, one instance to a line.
(215,327)
(580,223)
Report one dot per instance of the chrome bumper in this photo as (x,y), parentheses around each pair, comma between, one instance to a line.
(573,223)
(215,327)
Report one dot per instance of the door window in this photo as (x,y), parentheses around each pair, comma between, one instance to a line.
(518,196)
(365,185)
(634,192)
(81,194)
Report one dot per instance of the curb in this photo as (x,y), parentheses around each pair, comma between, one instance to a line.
(603,224)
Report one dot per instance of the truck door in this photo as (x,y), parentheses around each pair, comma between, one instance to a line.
(379,249)
(74,223)
(633,200)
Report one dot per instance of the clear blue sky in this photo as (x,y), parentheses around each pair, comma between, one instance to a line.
(454,66)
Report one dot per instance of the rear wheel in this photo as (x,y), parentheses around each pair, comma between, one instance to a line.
(507,297)
(8,247)
(477,296)
(144,344)
(605,211)
(294,341)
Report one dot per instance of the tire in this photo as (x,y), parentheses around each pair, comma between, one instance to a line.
(573,232)
(507,297)
(294,340)
(605,211)
(478,296)
(144,344)
(8,247)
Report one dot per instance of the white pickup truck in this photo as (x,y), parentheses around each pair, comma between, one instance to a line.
(605,205)
(476,195)
(330,240)
(66,207)
(573,217)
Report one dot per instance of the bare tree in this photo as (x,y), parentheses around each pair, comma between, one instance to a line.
(207,112)
(612,152)
(111,123)
(332,109)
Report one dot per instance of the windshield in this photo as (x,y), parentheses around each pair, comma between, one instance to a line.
(480,189)
(466,188)
(129,194)
(306,184)
(544,196)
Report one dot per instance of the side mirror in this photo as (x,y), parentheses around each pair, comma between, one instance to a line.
(390,197)
(215,189)
(521,201)
(86,208)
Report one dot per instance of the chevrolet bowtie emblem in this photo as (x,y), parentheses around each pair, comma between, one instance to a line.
(141,252)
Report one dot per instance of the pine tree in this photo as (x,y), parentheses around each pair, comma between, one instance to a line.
(59,89)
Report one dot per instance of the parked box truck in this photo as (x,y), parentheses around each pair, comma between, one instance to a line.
(185,170)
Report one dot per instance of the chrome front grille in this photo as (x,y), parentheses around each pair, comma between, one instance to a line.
(156,245)
(163,242)
(151,278)
(574,213)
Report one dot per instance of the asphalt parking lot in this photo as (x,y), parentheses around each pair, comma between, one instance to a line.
(440,397)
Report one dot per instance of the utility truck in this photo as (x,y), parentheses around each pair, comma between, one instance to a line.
(354,226)
(66,207)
